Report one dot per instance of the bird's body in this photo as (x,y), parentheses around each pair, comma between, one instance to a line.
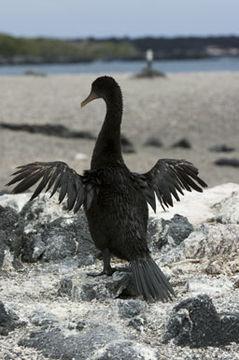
(118,214)
(115,199)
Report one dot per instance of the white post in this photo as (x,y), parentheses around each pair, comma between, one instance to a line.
(149,58)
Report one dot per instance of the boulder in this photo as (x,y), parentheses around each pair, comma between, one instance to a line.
(196,323)
(8,320)
(227,210)
(221,148)
(182,143)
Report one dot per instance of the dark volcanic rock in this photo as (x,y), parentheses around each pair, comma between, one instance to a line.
(148,72)
(88,288)
(33,248)
(57,343)
(65,288)
(8,321)
(77,226)
(8,219)
(178,228)
(53,240)
(227,162)
(138,323)
(11,230)
(153,141)
(59,242)
(131,308)
(230,327)
(162,232)
(201,325)
(221,148)
(41,318)
(37,214)
(54,243)
(183,143)
(80,325)
(120,284)
(49,130)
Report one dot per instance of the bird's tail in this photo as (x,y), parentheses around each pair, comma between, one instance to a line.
(150,281)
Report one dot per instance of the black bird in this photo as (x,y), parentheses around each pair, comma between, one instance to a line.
(114,198)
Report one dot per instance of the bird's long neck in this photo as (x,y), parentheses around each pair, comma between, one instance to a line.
(107,149)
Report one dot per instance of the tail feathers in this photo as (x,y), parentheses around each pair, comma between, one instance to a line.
(150,281)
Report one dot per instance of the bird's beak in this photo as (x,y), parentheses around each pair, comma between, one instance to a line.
(89,98)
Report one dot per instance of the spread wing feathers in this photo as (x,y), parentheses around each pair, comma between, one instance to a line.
(168,178)
(57,176)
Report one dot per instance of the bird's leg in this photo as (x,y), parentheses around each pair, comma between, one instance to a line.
(107,269)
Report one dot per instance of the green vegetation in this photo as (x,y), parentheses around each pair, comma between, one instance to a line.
(107,49)
(42,50)
(62,50)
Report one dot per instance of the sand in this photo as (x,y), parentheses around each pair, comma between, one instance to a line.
(203,107)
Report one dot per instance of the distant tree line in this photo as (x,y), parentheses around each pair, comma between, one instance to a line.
(188,46)
(47,50)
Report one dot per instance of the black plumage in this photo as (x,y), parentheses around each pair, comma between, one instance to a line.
(115,199)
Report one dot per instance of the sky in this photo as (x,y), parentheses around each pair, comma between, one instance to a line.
(105,18)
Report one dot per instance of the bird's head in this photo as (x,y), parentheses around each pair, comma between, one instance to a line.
(103,87)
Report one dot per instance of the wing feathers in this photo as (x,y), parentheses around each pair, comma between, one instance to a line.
(28,181)
(71,192)
(55,176)
(56,184)
(79,199)
(42,184)
(63,186)
(168,178)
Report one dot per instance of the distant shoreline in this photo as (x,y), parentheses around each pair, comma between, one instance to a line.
(212,64)
(19,50)
(36,61)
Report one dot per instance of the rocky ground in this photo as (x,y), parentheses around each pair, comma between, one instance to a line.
(51,308)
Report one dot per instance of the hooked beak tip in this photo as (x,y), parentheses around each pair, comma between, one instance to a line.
(89,98)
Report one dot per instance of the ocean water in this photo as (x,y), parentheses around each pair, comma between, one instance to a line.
(102,67)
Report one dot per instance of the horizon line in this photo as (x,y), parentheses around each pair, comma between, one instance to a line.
(120,37)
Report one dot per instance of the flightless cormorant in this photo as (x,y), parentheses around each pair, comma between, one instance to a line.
(114,198)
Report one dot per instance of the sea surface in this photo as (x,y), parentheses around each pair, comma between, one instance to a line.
(169,66)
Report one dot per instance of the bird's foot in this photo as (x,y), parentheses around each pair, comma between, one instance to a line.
(107,272)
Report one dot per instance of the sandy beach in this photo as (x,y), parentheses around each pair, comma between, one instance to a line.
(202,107)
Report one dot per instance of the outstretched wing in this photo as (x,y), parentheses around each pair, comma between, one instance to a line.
(55,175)
(167,178)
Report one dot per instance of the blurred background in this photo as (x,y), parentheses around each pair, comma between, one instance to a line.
(177,63)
